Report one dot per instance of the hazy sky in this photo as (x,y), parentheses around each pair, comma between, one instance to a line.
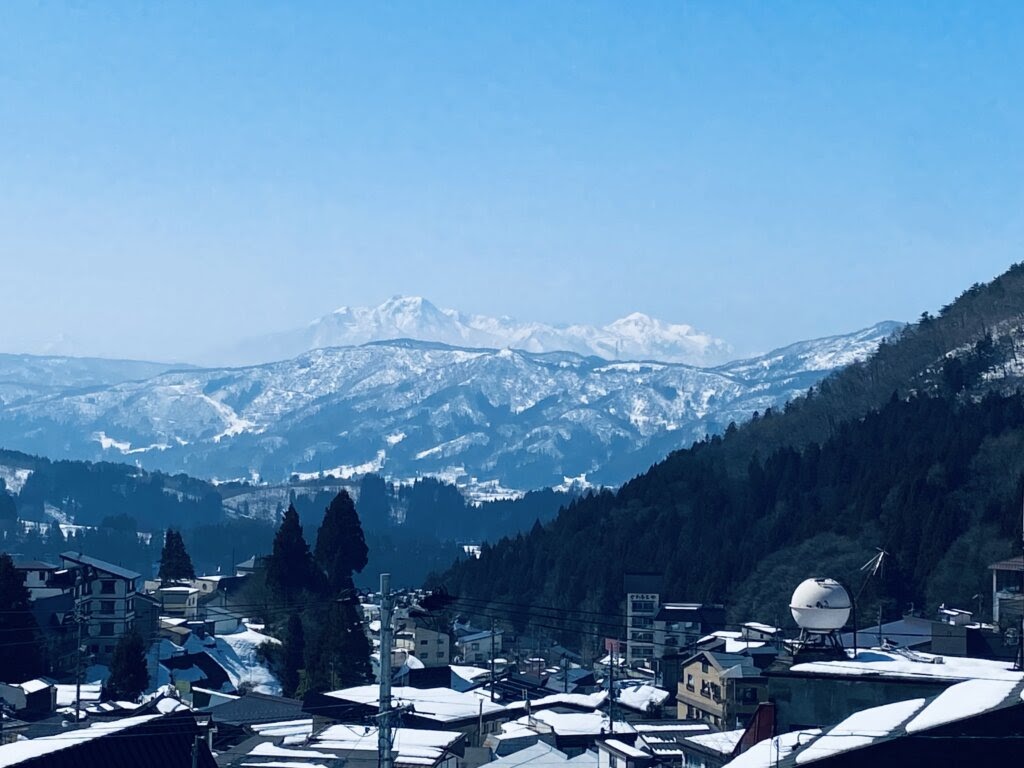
(175,176)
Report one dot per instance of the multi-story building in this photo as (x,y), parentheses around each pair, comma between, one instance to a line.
(38,576)
(476,648)
(104,600)
(1007,597)
(431,647)
(722,689)
(643,599)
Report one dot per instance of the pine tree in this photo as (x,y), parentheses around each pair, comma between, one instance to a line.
(293,657)
(128,675)
(340,544)
(175,563)
(290,567)
(21,659)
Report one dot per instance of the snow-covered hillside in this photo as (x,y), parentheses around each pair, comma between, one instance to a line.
(517,419)
(636,337)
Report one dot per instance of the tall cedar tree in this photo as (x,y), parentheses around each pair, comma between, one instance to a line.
(21,659)
(128,675)
(339,656)
(175,564)
(290,568)
(293,657)
(340,544)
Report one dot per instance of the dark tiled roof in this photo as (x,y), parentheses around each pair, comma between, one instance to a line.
(34,565)
(214,673)
(257,708)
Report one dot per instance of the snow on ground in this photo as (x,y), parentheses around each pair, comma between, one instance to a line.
(859,730)
(237,653)
(346,471)
(14,478)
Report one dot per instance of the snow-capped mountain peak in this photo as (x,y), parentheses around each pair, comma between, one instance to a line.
(635,336)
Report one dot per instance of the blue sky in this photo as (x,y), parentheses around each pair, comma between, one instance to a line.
(176,176)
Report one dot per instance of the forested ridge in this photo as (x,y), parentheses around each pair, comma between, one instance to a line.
(917,451)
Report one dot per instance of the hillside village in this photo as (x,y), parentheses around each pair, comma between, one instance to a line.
(673,682)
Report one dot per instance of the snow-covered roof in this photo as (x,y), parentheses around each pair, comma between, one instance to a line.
(33,749)
(972,697)
(581,700)
(623,748)
(888,664)
(575,723)
(724,741)
(642,698)
(299,727)
(268,749)
(441,704)
(66,693)
(477,637)
(469,672)
(772,751)
(669,728)
(34,686)
(757,626)
(859,730)
(890,721)
(410,746)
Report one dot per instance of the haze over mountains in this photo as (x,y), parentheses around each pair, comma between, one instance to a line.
(634,337)
(492,419)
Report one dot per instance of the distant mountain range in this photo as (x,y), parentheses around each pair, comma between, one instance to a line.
(634,337)
(493,419)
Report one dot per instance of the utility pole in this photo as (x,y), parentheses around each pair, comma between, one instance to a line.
(611,686)
(1019,663)
(195,751)
(80,620)
(879,624)
(384,705)
(492,660)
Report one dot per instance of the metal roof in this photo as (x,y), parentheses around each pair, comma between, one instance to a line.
(100,565)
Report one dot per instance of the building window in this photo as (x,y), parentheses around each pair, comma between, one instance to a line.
(107,629)
(689,682)
(108,587)
(641,621)
(108,649)
(131,604)
(640,606)
(704,667)
(424,642)
(106,606)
